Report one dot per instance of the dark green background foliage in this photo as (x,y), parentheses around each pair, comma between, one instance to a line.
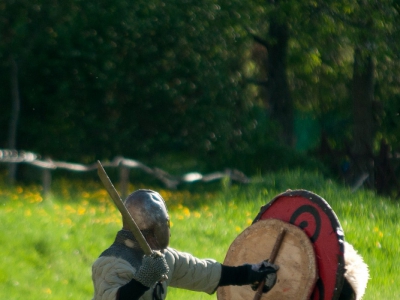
(182,78)
(106,78)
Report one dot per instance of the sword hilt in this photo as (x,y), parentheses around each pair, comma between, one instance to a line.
(271,259)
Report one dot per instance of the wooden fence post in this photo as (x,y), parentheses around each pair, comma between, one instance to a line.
(124,180)
(227,179)
(46,182)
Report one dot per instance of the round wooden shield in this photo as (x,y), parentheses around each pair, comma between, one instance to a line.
(297,272)
(316,218)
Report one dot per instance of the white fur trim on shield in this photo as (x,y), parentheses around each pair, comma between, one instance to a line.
(357,273)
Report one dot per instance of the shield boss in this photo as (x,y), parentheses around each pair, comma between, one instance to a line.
(297,272)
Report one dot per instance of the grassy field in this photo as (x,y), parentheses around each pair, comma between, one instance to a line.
(48,246)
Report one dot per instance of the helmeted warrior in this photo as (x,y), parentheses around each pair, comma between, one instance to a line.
(124,272)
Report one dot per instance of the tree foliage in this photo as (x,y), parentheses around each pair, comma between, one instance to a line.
(106,78)
(147,78)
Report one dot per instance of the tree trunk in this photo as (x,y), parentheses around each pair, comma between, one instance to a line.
(278,94)
(13,125)
(363,130)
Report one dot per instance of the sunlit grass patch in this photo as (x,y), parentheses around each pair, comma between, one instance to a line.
(48,245)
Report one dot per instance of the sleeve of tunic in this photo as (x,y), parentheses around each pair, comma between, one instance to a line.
(108,275)
(189,272)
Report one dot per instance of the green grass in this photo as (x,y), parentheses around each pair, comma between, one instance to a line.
(48,246)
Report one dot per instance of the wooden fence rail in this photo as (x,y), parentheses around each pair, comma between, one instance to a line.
(124,164)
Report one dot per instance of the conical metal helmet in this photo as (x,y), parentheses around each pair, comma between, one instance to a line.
(150,213)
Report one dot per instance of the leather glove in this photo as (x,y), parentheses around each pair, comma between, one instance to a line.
(259,272)
(251,274)
(153,269)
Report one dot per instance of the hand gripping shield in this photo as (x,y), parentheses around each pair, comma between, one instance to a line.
(296,260)
(318,237)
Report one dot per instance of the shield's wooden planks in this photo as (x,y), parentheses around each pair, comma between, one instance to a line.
(313,214)
(297,274)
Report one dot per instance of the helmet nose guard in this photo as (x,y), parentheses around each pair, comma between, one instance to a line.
(150,213)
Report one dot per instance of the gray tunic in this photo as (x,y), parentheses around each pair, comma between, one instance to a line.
(117,265)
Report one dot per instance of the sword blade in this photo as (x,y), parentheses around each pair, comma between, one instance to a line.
(122,209)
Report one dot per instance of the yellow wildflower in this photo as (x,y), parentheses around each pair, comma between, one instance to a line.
(186,212)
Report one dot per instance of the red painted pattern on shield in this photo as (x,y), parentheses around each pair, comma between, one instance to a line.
(314,215)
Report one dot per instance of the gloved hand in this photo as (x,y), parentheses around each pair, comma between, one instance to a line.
(153,269)
(251,274)
(259,272)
